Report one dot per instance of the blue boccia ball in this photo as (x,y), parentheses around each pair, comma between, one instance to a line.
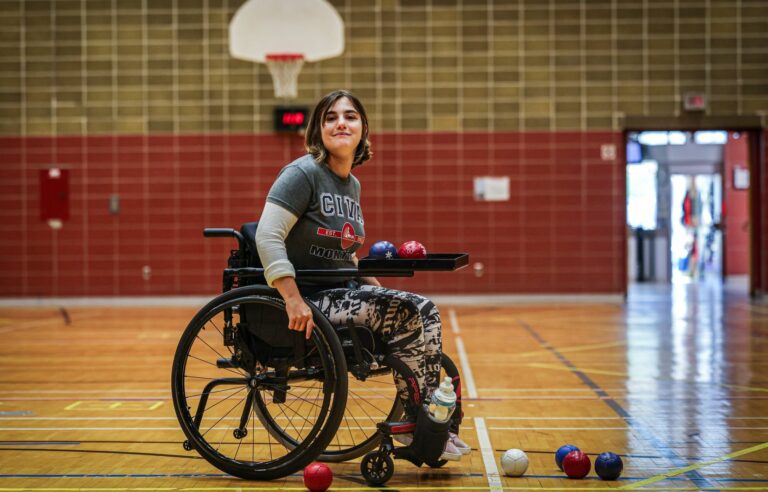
(383,249)
(562,452)
(609,466)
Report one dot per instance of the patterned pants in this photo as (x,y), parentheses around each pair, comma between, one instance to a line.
(408,323)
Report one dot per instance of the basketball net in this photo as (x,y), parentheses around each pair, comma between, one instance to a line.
(285,68)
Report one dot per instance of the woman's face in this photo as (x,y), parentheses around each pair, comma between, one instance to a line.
(342,128)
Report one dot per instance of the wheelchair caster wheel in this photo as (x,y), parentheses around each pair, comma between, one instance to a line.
(240,433)
(186,445)
(377,468)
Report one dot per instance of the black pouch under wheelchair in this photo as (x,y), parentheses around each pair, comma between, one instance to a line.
(429,438)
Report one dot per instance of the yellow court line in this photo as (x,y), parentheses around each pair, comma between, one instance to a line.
(675,473)
(745,388)
(73,405)
(560,367)
(578,348)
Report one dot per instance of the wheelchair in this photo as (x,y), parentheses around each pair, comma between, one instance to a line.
(259,401)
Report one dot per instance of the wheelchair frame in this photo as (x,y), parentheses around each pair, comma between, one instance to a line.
(276,368)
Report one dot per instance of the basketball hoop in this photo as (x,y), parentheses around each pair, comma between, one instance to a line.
(285,68)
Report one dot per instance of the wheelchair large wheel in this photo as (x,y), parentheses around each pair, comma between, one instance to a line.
(232,391)
(370,402)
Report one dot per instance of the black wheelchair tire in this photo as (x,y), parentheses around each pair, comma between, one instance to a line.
(321,433)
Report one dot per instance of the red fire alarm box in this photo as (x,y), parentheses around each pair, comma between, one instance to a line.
(54,196)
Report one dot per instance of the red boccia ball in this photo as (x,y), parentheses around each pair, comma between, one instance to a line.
(412,249)
(317,477)
(576,464)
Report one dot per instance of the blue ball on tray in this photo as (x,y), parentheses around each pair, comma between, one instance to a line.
(383,250)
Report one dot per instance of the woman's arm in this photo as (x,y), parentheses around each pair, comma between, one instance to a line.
(274,225)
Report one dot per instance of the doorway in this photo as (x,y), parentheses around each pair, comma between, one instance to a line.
(687,206)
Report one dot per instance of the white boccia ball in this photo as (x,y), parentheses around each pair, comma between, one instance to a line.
(514,462)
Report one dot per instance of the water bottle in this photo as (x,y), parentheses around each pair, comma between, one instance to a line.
(443,401)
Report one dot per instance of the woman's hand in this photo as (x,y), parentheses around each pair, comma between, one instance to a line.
(299,313)
(299,316)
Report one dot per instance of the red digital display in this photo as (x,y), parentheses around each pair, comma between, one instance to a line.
(293,118)
(289,119)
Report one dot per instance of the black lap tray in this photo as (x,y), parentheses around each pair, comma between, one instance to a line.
(436,262)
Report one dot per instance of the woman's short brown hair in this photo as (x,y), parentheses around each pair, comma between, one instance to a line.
(313,137)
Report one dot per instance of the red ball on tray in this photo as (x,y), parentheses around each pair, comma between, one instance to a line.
(412,249)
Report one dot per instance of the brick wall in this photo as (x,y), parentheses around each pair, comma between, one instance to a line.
(562,230)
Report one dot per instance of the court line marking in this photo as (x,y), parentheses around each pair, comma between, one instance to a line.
(577,348)
(623,374)
(467,378)
(454,321)
(487,452)
(664,476)
(87,428)
(666,428)
(45,322)
(24,418)
(111,429)
(558,367)
(576,418)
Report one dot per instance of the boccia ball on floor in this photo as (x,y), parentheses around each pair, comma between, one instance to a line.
(412,249)
(317,477)
(609,466)
(514,462)
(576,464)
(383,249)
(561,452)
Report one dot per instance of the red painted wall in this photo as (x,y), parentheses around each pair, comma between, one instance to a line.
(736,153)
(561,232)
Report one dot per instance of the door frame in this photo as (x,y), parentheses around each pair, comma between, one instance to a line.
(753,126)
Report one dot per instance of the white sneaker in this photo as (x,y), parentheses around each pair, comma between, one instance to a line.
(450,453)
(459,444)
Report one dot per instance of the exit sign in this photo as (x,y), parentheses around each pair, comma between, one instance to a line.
(695,101)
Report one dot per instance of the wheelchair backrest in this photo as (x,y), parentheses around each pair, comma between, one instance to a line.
(248,230)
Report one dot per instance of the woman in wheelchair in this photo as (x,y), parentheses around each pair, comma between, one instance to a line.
(294,360)
(312,219)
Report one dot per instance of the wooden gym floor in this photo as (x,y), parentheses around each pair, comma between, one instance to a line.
(675,380)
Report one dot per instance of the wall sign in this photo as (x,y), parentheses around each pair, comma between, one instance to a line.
(491,188)
(740,178)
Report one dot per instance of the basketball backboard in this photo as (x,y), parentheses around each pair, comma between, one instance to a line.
(311,28)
